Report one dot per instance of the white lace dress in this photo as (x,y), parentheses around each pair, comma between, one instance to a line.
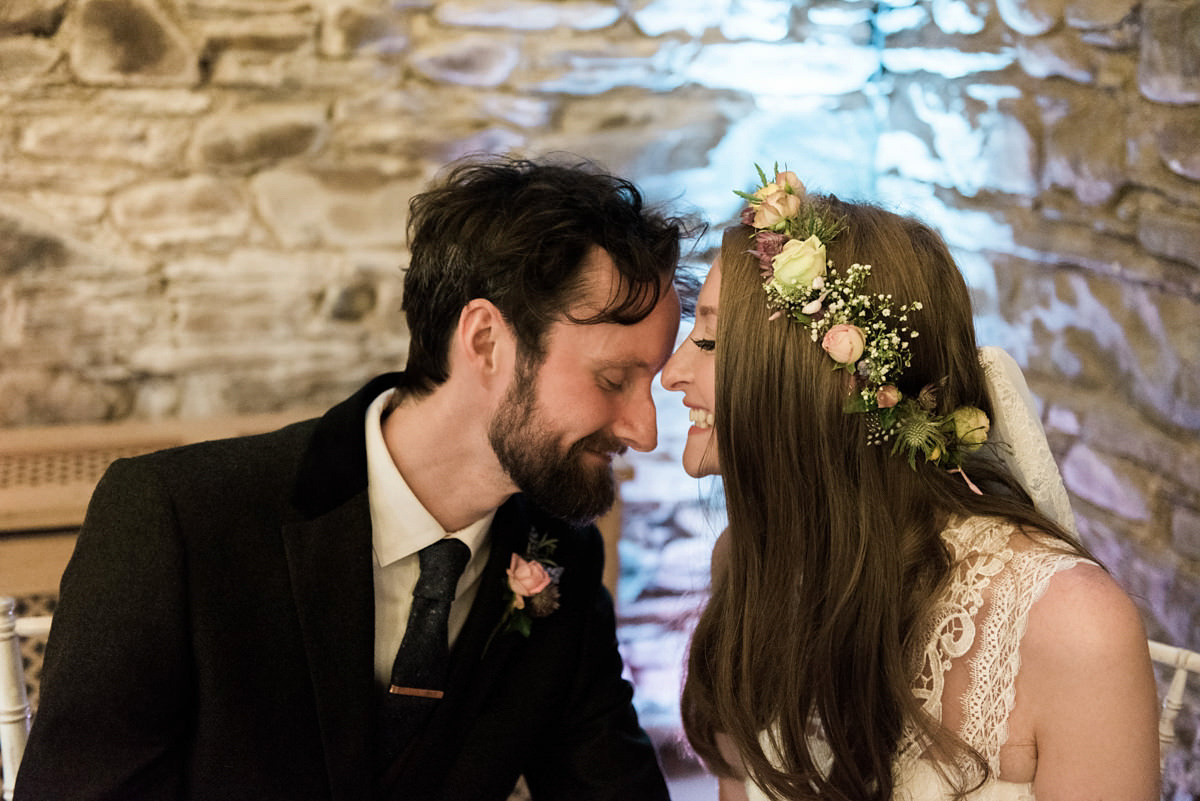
(968,669)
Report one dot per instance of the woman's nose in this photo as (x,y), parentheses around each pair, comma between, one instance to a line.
(675,371)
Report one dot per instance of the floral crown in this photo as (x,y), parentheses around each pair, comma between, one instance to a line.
(868,335)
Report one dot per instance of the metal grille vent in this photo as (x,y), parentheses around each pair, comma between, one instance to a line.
(59,467)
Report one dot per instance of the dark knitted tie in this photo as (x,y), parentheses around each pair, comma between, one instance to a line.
(419,672)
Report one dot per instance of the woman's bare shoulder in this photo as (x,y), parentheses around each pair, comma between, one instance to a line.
(1084,615)
(1087,680)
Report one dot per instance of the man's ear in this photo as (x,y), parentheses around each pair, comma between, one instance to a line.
(484,339)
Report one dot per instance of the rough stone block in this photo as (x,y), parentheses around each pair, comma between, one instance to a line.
(419,104)
(195,210)
(1176,137)
(277,33)
(1109,422)
(961,16)
(657,17)
(1031,17)
(303,209)
(1062,54)
(1169,71)
(1169,230)
(908,154)
(830,156)
(527,15)
(130,43)
(635,133)
(68,176)
(26,57)
(1123,37)
(1185,531)
(244,69)
(595,64)
(1060,419)
(38,397)
(477,61)
(35,17)
(251,137)
(947,62)
(523,112)
(354,302)
(978,146)
(759,20)
(73,209)
(1064,232)
(233,8)
(347,27)
(962,227)
(1108,483)
(906,18)
(320,379)
(154,102)
(1094,14)
(394,131)
(1182,610)
(1136,343)
(28,248)
(440,150)
(1085,149)
(144,142)
(813,68)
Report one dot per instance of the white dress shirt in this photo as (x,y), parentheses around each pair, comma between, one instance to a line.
(401,526)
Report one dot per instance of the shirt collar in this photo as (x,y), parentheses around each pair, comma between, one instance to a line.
(400,525)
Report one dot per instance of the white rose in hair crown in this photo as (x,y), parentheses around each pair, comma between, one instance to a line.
(798,263)
(866,334)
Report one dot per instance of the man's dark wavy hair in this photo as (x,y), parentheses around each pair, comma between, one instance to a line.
(517,232)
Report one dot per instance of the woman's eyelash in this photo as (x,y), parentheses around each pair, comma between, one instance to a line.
(705,344)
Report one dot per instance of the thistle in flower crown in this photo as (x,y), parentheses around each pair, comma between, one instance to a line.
(868,335)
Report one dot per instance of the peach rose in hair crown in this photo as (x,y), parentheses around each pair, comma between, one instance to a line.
(844,343)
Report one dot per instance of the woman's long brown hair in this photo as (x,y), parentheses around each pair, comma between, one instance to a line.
(834,550)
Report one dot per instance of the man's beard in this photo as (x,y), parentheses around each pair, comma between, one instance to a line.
(561,483)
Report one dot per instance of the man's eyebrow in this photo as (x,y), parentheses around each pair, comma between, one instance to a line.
(633,363)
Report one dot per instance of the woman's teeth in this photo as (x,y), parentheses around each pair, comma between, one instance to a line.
(700,418)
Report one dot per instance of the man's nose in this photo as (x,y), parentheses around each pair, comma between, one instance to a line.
(638,426)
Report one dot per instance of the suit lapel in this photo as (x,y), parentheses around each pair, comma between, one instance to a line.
(330,563)
(328,547)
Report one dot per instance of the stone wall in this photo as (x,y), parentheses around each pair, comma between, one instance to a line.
(203,202)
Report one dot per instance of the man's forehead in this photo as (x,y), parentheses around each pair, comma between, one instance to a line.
(643,345)
(600,283)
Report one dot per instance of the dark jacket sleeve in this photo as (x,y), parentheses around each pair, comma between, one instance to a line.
(596,750)
(116,686)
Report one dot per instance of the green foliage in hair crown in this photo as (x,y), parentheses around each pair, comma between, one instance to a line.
(866,334)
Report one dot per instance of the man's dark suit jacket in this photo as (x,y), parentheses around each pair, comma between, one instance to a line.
(214,640)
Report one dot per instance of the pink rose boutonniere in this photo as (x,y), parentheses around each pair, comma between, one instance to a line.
(526,579)
(532,586)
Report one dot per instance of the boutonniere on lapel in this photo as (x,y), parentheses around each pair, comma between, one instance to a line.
(532,587)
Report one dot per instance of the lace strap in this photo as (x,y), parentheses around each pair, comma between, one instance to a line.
(991,693)
(981,618)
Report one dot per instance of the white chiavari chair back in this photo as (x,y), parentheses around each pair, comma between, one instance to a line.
(15,712)
(1180,662)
